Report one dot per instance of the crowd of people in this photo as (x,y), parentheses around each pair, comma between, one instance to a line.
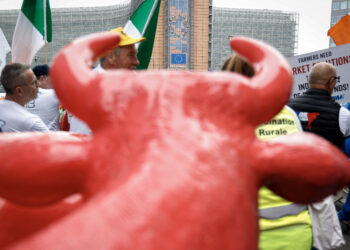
(295,226)
(31,105)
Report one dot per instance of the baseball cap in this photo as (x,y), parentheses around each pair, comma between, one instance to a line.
(41,70)
(125,39)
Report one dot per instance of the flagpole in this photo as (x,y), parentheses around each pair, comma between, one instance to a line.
(45,32)
(45,52)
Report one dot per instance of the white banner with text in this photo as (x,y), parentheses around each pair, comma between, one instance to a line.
(338,56)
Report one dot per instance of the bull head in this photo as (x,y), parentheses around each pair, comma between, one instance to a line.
(173,162)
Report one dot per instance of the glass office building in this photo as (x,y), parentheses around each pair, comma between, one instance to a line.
(191,34)
(339,9)
(277,28)
(71,23)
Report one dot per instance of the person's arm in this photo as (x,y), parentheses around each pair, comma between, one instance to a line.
(344,121)
(39,126)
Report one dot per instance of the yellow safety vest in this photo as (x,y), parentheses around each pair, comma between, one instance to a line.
(283,224)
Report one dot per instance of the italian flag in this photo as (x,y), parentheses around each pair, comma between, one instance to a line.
(33,29)
(143,23)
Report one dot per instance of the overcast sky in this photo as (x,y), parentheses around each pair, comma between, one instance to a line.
(314,15)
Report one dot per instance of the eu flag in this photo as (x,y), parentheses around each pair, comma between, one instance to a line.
(178,58)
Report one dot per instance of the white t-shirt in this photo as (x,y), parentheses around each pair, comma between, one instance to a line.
(15,118)
(77,126)
(344,121)
(46,106)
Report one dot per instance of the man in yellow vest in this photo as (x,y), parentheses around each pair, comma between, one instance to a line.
(292,221)
(285,225)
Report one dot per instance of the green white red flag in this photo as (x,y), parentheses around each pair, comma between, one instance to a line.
(4,49)
(33,29)
(143,23)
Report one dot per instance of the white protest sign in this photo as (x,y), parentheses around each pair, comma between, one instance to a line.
(338,56)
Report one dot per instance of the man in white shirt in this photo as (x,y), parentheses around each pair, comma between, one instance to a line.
(122,57)
(46,105)
(20,85)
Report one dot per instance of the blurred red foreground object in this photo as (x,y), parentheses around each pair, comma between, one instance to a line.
(173,162)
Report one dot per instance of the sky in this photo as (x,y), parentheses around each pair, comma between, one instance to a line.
(314,15)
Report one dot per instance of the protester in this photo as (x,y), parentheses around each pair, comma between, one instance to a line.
(20,85)
(46,105)
(42,75)
(122,57)
(283,224)
(318,112)
(344,213)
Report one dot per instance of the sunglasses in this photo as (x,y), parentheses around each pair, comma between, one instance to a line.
(336,78)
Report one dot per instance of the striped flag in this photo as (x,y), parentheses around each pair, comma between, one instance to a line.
(4,49)
(340,32)
(33,29)
(143,23)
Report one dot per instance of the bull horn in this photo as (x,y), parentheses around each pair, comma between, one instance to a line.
(272,81)
(75,83)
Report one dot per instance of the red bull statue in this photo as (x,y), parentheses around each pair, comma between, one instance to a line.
(173,162)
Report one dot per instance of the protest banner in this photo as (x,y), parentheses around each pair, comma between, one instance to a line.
(338,56)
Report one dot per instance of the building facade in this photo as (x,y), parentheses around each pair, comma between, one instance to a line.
(276,28)
(339,9)
(69,24)
(191,34)
(182,37)
(182,33)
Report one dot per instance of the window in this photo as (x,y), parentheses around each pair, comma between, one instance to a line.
(336,6)
(343,5)
(335,19)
